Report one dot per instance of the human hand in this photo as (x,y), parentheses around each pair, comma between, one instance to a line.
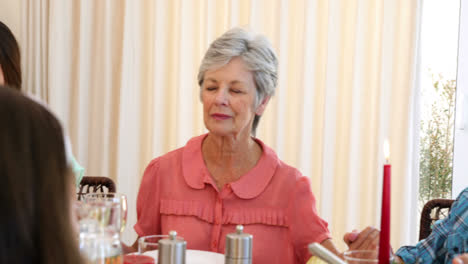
(461,259)
(367,239)
(349,238)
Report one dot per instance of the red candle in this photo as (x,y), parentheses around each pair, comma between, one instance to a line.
(384,243)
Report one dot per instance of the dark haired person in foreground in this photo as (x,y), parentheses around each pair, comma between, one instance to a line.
(37,189)
(10,59)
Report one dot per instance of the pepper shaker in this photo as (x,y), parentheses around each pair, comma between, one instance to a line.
(171,250)
(238,247)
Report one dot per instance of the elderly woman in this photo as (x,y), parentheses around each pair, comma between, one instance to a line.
(227,177)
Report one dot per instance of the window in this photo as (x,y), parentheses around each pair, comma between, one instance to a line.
(460,162)
(438,74)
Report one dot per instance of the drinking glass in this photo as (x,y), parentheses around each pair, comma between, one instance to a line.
(363,256)
(119,216)
(147,243)
(99,239)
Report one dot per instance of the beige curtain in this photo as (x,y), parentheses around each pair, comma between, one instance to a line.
(122,77)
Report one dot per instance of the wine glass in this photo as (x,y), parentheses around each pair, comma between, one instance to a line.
(149,243)
(364,256)
(116,199)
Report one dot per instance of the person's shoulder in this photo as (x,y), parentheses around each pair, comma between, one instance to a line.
(464,192)
(161,165)
(287,175)
(168,158)
(463,196)
(288,170)
(176,155)
(460,206)
(293,179)
(282,169)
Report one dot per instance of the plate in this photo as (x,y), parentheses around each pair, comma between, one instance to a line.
(195,256)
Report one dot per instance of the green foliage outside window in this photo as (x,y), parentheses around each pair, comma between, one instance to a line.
(436,143)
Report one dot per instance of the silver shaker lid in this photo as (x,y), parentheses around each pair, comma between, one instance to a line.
(238,244)
(172,250)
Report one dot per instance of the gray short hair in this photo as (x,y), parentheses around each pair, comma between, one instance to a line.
(255,51)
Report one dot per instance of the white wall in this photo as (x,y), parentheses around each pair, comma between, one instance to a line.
(10,15)
(460,160)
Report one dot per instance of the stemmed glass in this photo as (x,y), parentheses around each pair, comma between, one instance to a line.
(364,256)
(149,243)
(145,243)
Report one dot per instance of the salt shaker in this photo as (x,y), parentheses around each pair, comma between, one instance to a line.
(238,247)
(171,250)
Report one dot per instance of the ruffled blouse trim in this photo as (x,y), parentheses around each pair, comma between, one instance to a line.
(266,216)
(188,208)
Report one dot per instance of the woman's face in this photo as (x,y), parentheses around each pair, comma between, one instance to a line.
(228,97)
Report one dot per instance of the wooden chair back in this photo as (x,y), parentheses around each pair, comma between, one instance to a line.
(95,184)
(433,210)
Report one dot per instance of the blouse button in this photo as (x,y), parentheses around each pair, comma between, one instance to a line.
(214,244)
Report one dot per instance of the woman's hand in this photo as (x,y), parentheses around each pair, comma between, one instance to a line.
(367,239)
(129,249)
(462,259)
(328,244)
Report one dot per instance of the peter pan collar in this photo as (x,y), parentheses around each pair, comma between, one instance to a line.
(248,186)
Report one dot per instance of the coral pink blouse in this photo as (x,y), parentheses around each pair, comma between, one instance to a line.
(273,201)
